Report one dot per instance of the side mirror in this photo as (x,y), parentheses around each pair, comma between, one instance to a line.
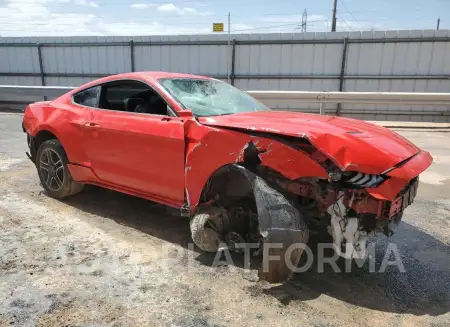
(185,113)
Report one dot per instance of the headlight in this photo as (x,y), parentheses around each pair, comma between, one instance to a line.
(335,176)
(355,179)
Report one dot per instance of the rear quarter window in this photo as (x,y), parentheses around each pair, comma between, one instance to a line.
(88,97)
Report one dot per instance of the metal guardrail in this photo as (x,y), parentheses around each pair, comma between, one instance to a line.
(279,97)
(376,98)
(354,97)
(44,91)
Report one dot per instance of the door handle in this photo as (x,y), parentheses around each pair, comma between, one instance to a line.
(166,119)
(88,124)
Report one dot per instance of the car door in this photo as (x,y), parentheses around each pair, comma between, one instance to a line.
(72,120)
(142,152)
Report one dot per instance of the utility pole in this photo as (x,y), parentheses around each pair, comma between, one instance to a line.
(304,20)
(333,22)
(302,26)
(438,23)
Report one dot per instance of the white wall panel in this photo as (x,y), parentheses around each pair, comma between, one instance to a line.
(368,59)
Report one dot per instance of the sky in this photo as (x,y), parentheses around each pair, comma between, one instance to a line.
(160,17)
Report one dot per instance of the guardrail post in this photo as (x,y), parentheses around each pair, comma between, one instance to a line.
(341,77)
(321,108)
(41,66)
(233,62)
(132,55)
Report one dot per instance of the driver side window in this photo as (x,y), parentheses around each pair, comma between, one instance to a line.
(132,96)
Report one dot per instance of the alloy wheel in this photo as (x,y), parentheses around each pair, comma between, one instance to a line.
(52,169)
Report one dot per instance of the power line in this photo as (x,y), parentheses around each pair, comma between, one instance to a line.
(348,11)
(343,20)
(274,26)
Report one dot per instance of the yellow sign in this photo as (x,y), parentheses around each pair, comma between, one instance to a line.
(217,27)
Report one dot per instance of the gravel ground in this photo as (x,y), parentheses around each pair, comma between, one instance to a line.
(102,258)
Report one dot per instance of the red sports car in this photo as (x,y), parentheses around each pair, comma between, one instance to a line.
(241,172)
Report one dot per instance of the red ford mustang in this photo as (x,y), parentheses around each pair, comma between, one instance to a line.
(241,172)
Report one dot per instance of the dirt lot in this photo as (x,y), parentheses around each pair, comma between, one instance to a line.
(106,259)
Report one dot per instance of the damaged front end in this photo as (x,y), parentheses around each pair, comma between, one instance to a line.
(295,187)
(353,205)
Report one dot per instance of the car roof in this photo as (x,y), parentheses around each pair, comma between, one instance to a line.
(149,76)
(155,75)
(158,75)
(146,76)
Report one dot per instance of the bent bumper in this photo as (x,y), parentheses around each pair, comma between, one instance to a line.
(399,191)
(401,176)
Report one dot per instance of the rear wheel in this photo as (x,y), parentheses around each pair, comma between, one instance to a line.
(51,164)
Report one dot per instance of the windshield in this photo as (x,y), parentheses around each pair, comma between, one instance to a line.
(208,97)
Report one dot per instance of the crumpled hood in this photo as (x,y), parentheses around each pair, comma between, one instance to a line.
(350,143)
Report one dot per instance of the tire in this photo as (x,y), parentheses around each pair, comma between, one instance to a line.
(51,164)
(207,228)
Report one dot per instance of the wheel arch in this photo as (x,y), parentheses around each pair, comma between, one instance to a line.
(42,135)
(279,221)
(225,179)
(62,128)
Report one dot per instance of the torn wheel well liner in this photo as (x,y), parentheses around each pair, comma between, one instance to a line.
(279,223)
